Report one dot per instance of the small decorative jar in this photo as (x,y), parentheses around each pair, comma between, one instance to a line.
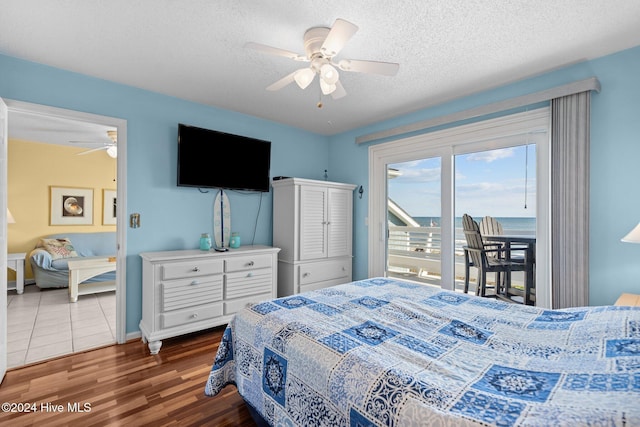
(235,240)
(205,242)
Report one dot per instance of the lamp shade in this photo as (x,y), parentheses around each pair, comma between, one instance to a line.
(326,87)
(10,219)
(304,77)
(329,74)
(633,236)
(112,151)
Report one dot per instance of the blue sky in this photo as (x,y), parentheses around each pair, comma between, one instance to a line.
(486,183)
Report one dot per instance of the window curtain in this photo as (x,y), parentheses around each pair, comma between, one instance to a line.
(570,124)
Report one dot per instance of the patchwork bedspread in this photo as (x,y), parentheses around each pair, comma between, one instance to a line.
(385,352)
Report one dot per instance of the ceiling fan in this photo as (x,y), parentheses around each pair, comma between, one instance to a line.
(111,148)
(321,45)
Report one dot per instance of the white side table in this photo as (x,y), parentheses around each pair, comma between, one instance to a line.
(16,263)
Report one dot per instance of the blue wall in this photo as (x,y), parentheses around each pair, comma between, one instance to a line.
(615,168)
(173,218)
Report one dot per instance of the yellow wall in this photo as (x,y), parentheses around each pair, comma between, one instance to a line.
(32,168)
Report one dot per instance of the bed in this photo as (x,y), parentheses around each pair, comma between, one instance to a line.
(387,352)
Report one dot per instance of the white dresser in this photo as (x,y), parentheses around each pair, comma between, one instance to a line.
(313,225)
(190,290)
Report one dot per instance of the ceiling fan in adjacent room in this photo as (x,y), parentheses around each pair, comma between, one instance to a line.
(110,147)
(321,45)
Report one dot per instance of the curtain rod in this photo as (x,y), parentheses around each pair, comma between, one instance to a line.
(591,83)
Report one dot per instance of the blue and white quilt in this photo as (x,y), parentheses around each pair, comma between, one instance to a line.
(386,352)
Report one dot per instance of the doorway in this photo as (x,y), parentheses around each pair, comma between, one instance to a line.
(119,184)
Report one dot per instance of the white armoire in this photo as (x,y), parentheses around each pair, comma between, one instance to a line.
(312,225)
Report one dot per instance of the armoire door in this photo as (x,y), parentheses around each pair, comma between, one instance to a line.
(339,219)
(313,222)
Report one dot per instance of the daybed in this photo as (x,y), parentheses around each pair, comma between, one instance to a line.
(50,268)
(383,352)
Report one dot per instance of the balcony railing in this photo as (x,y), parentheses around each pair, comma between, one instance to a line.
(416,252)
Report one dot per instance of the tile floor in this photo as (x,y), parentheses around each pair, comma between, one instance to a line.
(42,324)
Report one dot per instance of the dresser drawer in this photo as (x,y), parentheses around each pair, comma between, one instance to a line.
(234,306)
(248,263)
(178,270)
(190,315)
(182,293)
(325,270)
(245,283)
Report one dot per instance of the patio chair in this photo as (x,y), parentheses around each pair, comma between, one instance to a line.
(488,258)
(469,225)
(490,226)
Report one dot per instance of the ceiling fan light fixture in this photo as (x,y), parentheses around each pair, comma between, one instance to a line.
(304,77)
(329,74)
(112,151)
(326,87)
(321,45)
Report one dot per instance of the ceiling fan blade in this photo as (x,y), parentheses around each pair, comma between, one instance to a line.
(371,67)
(275,51)
(339,92)
(88,142)
(289,78)
(82,153)
(338,36)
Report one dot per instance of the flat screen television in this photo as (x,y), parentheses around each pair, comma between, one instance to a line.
(213,159)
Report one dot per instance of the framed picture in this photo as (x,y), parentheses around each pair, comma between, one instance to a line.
(108,207)
(71,206)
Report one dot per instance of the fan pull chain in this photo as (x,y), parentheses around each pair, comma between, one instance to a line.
(526,174)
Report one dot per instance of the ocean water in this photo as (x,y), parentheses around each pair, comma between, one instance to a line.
(508,223)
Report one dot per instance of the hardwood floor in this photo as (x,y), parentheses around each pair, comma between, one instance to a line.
(125,385)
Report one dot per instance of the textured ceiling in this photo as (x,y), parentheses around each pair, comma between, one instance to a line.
(194,49)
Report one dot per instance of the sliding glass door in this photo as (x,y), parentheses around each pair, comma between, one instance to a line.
(498,183)
(497,188)
(414,212)
(421,186)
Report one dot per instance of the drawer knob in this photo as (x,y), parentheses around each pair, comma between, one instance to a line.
(250,263)
(196,268)
(249,274)
(306,274)
(194,316)
(195,282)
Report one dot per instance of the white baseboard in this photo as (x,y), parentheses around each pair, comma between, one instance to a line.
(133,335)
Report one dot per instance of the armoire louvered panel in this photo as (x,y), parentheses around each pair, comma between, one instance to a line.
(339,222)
(313,222)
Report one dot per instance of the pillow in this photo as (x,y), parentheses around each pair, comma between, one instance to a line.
(58,248)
